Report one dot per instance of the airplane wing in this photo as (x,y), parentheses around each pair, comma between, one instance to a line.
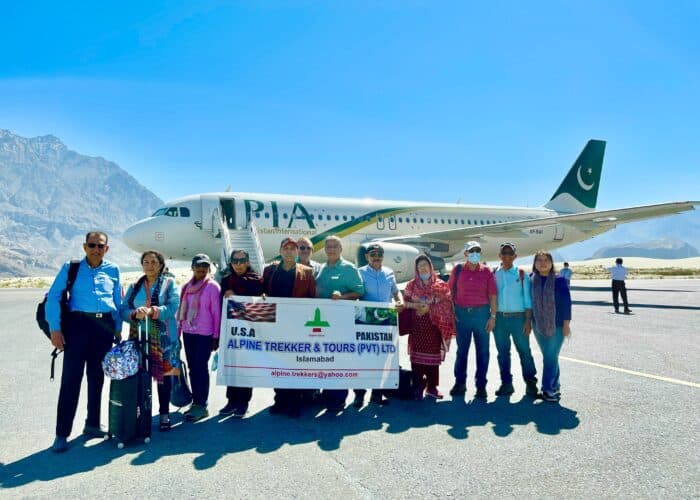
(583,221)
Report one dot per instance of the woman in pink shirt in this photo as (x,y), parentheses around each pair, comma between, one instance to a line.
(198,321)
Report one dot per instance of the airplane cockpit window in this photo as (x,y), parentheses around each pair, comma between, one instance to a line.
(184,212)
(171,212)
(159,212)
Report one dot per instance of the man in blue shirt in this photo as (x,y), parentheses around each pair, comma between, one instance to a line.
(85,335)
(380,286)
(514,318)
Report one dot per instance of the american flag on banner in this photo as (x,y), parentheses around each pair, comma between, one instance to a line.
(259,312)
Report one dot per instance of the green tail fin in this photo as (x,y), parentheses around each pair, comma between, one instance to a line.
(578,191)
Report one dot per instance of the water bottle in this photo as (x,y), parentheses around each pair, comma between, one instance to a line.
(215,362)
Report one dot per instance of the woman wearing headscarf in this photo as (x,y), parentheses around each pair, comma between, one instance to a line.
(199,321)
(431,323)
(551,315)
(242,281)
(156,296)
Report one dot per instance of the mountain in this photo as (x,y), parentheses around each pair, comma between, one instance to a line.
(51,196)
(657,249)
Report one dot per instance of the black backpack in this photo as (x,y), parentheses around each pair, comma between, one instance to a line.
(65,311)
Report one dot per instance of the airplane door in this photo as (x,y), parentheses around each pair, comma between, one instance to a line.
(558,232)
(392,223)
(380,222)
(210,213)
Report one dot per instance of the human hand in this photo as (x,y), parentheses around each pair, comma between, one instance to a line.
(566,330)
(490,324)
(527,327)
(228,293)
(57,340)
(336,295)
(422,309)
(214,344)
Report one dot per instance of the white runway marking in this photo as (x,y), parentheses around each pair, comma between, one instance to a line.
(632,372)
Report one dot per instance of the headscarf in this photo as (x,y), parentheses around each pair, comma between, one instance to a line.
(436,293)
(543,303)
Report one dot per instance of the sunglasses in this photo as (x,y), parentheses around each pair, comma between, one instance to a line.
(376,254)
(304,247)
(475,250)
(508,253)
(239,261)
(101,246)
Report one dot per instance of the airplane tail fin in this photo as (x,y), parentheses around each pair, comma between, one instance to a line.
(578,191)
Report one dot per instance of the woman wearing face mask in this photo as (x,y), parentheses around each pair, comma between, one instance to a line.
(429,301)
(551,315)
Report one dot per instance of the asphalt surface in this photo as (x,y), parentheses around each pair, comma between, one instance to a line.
(615,434)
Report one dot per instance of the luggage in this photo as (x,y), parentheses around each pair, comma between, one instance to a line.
(130,399)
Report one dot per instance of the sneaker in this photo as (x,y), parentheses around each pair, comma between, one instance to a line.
(359,401)
(481,393)
(229,409)
(550,396)
(434,393)
(505,390)
(60,444)
(531,388)
(458,390)
(94,431)
(240,411)
(627,311)
(197,413)
(164,424)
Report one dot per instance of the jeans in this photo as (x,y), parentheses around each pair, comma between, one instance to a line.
(87,342)
(550,347)
(198,350)
(472,321)
(507,327)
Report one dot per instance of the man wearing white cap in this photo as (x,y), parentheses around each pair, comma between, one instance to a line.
(474,296)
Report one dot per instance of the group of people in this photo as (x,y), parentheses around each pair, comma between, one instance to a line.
(476,300)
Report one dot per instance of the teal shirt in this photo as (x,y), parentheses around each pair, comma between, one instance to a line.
(513,296)
(342,277)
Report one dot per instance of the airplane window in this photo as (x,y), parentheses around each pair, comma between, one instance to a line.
(421,220)
(184,212)
(449,221)
(429,220)
(284,215)
(352,217)
(391,219)
(462,220)
(345,217)
(172,212)
(414,220)
(337,218)
(159,212)
(267,215)
(442,221)
(257,215)
(328,217)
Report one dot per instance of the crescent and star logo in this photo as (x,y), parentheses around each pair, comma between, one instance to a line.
(584,186)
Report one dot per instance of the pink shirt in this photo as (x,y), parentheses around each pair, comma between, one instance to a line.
(208,319)
(474,287)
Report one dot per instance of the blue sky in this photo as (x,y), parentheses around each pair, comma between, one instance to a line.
(485,102)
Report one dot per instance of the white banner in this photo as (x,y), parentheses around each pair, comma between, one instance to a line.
(308,344)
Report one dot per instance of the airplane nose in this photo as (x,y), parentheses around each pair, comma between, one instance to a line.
(133,237)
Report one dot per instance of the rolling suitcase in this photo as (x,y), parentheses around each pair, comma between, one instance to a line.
(130,399)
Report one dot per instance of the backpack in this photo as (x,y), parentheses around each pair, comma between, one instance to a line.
(41,309)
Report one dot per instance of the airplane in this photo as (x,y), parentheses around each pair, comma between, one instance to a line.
(203,223)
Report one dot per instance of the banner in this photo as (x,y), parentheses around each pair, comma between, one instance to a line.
(308,344)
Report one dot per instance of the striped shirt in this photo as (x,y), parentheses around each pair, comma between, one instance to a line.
(474,287)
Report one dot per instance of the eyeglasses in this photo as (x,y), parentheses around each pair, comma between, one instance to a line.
(239,261)
(474,250)
(101,246)
(304,247)
(376,254)
(202,266)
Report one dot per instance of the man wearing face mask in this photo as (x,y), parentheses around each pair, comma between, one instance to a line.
(475,300)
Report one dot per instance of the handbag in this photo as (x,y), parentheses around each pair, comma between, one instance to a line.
(121,361)
(180,394)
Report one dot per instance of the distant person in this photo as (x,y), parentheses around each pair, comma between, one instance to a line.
(429,299)
(242,281)
(89,332)
(474,296)
(337,280)
(380,286)
(618,273)
(199,321)
(306,248)
(155,295)
(514,319)
(551,314)
(566,273)
(289,279)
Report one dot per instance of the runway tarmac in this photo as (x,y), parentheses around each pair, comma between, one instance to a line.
(627,425)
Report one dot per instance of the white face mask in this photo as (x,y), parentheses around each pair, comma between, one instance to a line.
(474,258)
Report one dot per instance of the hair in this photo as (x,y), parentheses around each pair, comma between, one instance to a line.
(549,258)
(566,264)
(158,255)
(618,260)
(96,233)
(307,240)
(333,238)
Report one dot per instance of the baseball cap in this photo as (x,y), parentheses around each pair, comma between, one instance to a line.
(201,258)
(508,244)
(471,244)
(374,246)
(289,241)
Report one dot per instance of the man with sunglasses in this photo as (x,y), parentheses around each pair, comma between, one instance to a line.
(514,319)
(474,297)
(306,248)
(380,286)
(85,335)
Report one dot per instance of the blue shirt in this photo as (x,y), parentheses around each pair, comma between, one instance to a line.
(343,277)
(513,295)
(380,286)
(94,290)
(566,273)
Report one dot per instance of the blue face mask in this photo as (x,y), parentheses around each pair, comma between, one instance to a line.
(424,276)
(474,258)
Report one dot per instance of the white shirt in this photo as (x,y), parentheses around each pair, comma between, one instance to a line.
(619,272)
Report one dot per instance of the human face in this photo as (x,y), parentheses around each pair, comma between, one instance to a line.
(95,249)
(333,251)
(289,253)
(239,263)
(375,258)
(200,271)
(423,267)
(151,266)
(543,265)
(507,257)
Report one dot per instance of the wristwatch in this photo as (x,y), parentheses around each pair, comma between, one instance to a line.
(493,315)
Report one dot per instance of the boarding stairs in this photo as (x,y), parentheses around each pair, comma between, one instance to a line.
(241,238)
